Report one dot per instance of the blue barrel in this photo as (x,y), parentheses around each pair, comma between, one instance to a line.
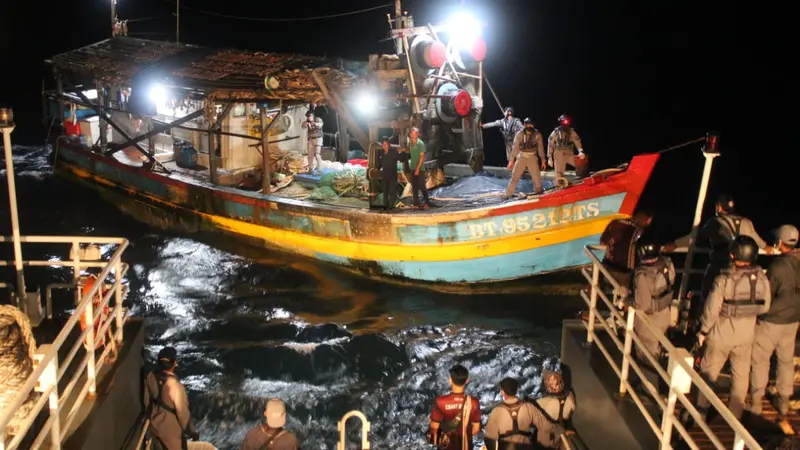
(187,157)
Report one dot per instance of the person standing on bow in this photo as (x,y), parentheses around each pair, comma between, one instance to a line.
(416,164)
(561,146)
(738,295)
(167,405)
(509,127)
(313,125)
(776,330)
(528,153)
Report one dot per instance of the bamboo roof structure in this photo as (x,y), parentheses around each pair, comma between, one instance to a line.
(217,74)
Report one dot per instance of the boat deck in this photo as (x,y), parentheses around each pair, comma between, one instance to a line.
(301,187)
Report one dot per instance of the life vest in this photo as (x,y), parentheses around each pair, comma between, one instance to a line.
(563,138)
(509,128)
(560,418)
(744,300)
(528,143)
(513,411)
(88,284)
(658,277)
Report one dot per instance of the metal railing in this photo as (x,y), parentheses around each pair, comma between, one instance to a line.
(680,375)
(49,373)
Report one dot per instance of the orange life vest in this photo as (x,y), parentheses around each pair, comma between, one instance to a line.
(88,284)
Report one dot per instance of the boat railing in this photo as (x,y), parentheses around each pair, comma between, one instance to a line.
(680,375)
(77,373)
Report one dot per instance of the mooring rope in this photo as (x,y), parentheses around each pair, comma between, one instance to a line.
(17,347)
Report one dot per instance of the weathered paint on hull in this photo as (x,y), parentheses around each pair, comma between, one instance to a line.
(502,242)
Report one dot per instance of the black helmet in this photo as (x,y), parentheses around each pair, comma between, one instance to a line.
(528,121)
(647,248)
(726,202)
(744,249)
(310,112)
(564,120)
(509,110)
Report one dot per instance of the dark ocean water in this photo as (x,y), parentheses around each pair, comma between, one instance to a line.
(251,324)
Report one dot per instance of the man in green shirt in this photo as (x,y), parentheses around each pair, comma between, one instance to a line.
(417,166)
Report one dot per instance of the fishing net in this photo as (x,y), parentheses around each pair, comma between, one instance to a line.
(323,193)
(17,347)
(349,181)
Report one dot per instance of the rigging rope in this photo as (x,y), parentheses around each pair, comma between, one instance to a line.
(17,347)
(286,19)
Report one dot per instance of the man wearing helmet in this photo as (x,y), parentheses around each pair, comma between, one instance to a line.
(718,233)
(528,154)
(561,146)
(738,295)
(509,127)
(776,330)
(652,287)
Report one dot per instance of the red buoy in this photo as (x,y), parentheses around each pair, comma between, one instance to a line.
(478,49)
(435,55)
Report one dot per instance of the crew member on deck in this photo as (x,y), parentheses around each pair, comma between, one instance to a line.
(270,434)
(652,289)
(776,330)
(528,153)
(511,421)
(387,163)
(509,127)
(620,237)
(314,148)
(416,163)
(557,405)
(167,405)
(718,233)
(738,295)
(455,417)
(561,146)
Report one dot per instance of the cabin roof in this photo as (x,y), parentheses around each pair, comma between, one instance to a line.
(226,73)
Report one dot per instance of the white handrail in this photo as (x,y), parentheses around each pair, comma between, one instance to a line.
(365,427)
(48,371)
(680,376)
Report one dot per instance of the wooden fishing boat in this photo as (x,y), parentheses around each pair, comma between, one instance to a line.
(221,100)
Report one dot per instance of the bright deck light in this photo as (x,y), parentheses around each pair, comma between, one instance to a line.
(158,94)
(366,103)
(464,28)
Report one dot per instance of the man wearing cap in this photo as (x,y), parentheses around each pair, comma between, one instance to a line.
(387,163)
(528,153)
(167,405)
(557,405)
(777,329)
(511,421)
(270,434)
(717,234)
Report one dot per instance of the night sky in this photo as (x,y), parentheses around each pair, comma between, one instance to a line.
(636,76)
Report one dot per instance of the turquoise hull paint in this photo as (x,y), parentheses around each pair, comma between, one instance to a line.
(530,221)
(482,270)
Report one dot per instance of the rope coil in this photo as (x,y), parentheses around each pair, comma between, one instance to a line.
(17,347)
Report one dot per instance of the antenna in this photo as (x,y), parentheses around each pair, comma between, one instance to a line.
(177,21)
(113,16)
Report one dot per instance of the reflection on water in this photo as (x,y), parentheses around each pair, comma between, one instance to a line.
(251,324)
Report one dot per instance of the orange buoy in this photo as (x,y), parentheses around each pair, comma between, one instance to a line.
(88,284)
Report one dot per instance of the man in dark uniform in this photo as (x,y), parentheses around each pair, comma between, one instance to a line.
(620,238)
(509,127)
(387,163)
(455,417)
(738,295)
(776,330)
(717,234)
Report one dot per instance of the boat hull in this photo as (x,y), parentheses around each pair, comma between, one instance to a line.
(501,242)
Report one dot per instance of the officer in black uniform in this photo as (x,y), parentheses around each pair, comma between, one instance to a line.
(387,163)
(738,295)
